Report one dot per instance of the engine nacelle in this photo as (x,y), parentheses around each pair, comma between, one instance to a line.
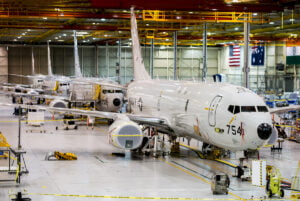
(125,134)
(58,103)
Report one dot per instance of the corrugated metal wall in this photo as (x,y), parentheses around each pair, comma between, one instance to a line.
(101,62)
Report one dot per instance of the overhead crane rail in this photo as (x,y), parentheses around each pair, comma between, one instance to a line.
(233,17)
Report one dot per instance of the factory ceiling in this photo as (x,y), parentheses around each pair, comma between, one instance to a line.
(108,22)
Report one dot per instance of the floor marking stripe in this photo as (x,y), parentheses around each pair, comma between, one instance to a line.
(192,174)
(156,198)
(131,197)
(202,179)
(238,197)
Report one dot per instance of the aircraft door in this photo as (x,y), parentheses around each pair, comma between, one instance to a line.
(213,110)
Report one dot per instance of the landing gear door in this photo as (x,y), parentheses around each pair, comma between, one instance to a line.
(213,110)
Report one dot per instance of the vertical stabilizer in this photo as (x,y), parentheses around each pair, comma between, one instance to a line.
(139,70)
(76,57)
(32,63)
(49,60)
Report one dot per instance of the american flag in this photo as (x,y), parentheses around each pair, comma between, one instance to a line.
(234,56)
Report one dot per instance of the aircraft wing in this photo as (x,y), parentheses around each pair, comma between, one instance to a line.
(284,109)
(10,93)
(145,120)
(100,82)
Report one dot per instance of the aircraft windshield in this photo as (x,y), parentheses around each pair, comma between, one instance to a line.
(262,109)
(248,109)
(105,91)
(235,109)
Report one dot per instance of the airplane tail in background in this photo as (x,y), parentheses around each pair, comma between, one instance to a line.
(139,69)
(32,62)
(76,57)
(49,60)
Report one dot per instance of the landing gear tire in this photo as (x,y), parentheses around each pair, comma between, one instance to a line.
(270,194)
(267,186)
(67,128)
(75,127)
(56,128)
(281,194)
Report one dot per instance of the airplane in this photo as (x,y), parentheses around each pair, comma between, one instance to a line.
(218,114)
(104,94)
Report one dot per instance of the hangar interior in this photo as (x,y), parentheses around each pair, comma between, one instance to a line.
(103,30)
(100,61)
(57,160)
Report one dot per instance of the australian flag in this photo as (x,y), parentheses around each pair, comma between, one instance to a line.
(257,57)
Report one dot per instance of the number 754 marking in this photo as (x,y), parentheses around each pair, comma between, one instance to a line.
(233,130)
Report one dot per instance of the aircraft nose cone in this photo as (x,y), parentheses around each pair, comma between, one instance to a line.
(264,131)
(117,102)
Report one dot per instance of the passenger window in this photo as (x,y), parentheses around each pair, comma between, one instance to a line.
(231,108)
(262,109)
(236,109)
(104,91)
(248,109)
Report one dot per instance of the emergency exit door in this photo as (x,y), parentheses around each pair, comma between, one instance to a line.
(212,111)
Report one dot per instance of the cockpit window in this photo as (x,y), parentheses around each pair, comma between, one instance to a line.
(236,109)
(248,109)
(105,91)
(262,109)
(230,108)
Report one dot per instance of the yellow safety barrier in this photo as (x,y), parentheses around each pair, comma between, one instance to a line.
(3,142)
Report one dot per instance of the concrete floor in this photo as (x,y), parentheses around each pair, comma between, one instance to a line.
(98,175)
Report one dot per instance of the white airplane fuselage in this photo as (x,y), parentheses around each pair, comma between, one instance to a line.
(204,111)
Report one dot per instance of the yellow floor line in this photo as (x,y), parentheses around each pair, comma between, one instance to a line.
(192,174)
(202,179)
(130,197)
(211,165)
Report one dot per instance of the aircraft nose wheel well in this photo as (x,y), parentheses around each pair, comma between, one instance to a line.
(212,152)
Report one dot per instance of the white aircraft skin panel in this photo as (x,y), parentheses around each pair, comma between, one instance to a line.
(192,118)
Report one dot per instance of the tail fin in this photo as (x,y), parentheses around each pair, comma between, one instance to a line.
(76,57)
(139,70)
(32,62)
(49,60)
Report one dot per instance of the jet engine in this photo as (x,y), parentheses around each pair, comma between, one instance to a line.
(58,103)
(125,134)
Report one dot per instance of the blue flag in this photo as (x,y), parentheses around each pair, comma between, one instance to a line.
(258,56)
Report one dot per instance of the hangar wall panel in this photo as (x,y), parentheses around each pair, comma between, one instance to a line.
(102,63)
(3,65)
